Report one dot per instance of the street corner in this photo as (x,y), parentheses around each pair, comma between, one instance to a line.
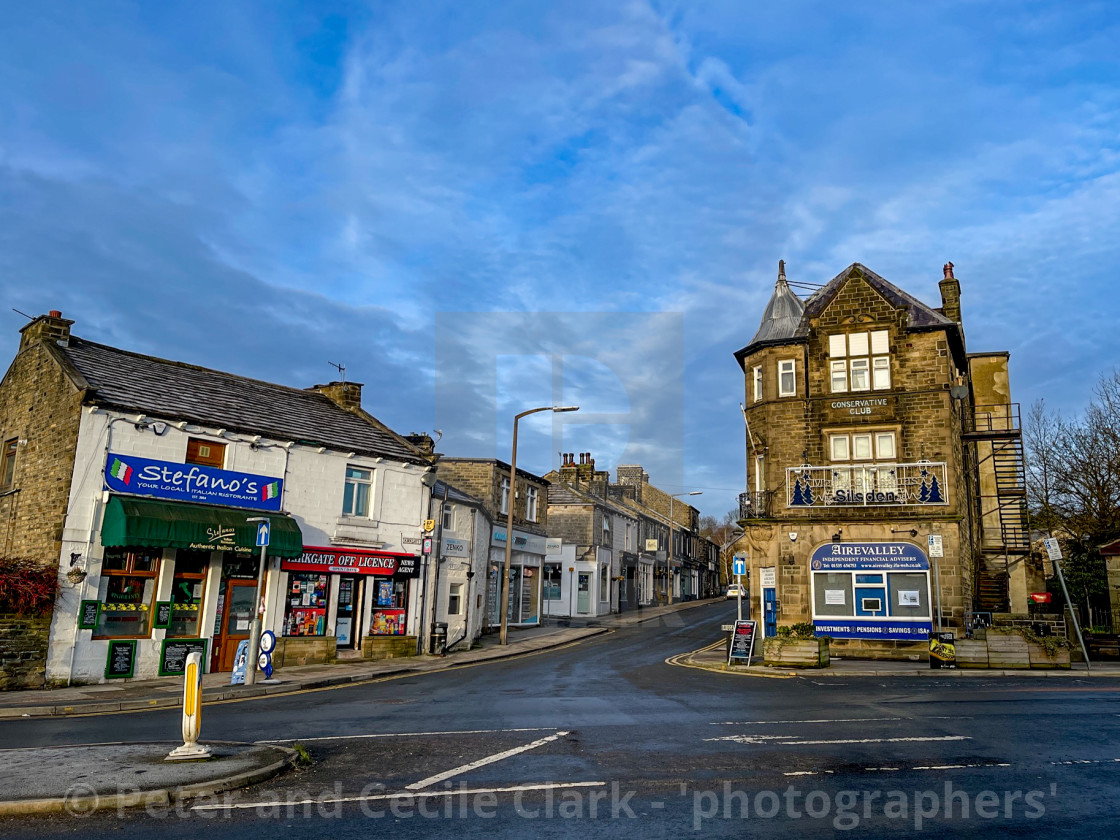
(710,659)
(81,780)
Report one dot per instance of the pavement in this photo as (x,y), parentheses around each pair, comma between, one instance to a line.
(714,658)
(80,779)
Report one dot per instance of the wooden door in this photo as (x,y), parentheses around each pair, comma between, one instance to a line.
(237,614)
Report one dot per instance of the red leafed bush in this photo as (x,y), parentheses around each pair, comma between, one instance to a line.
(26,587)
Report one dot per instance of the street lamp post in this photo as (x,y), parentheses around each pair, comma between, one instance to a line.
(509,512)
(669,553)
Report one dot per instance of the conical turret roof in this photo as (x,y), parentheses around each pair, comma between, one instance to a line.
(783,314)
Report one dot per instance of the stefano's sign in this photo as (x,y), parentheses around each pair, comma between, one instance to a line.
(191,483)
(349,562)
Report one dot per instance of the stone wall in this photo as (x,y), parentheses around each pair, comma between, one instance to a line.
(23,650)
(483,479)
(40,407)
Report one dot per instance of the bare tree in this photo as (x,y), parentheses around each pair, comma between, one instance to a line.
(1073,483)
(722,531)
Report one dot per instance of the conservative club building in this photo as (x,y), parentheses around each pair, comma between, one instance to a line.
(884,468)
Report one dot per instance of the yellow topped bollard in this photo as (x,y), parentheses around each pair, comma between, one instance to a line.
(192,713)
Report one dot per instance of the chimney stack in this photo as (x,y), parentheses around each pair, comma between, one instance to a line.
(347,395)
(49,327)
(950,294)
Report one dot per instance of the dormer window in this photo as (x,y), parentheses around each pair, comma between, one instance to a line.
(859,362)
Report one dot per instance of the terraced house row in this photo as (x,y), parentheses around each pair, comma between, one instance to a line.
(141,482)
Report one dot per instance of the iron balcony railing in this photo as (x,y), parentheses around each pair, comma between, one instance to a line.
(755,504)
(866,485)
(996,417)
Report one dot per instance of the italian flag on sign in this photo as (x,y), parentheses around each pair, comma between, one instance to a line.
(121,471)
(270,491)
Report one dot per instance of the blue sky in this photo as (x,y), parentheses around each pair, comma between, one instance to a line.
(269,187)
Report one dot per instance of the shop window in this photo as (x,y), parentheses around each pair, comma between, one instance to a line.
(505,496)
(186,593)
(388,616)
(306,611)
(205,453)
(756,377)
(127,593)
(908,594)
(8,464)
(455,599)
(532,503)
(787,379)
(860,361)
(356,493)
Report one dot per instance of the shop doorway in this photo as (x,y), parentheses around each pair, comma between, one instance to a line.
(769,611)
(583,594)
(237,615)
(345,622)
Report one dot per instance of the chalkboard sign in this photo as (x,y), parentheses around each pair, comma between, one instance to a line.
(121,662)
(742,642)
(173,656)
(163,615)
(87,615)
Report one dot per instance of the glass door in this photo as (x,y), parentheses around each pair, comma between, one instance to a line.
(344,627)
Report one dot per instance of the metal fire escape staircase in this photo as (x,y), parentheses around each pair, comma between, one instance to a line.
(1002,491)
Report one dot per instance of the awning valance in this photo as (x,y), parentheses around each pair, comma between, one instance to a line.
(131,521)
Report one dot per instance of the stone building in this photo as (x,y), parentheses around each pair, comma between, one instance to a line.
(138,478)
(597,570)
(488,480)
(885,492)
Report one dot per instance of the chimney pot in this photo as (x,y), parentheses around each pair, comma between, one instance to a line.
(54,313)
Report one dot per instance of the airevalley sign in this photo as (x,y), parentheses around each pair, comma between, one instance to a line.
(191,483)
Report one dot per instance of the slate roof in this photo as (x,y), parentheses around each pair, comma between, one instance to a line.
(922,317)
(562,493)
(177,391)
(783,314)
(453,494)
(787,317)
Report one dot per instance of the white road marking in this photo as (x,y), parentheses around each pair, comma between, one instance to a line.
(761,739)
(958,766)
(896,769)
(482,762)
(403,795)
(403,735)
(834,720)
(823,720)
(1085,761)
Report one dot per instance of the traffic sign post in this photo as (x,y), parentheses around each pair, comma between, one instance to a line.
(1054,550)
(739,567)
(264,527)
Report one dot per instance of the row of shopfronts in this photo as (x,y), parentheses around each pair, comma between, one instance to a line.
(176,576)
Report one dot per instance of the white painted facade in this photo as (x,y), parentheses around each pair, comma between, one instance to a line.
(465,533)
(314,480)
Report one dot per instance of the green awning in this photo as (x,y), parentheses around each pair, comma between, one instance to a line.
(134,522)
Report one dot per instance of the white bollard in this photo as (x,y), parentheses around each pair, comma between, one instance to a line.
(192,713)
